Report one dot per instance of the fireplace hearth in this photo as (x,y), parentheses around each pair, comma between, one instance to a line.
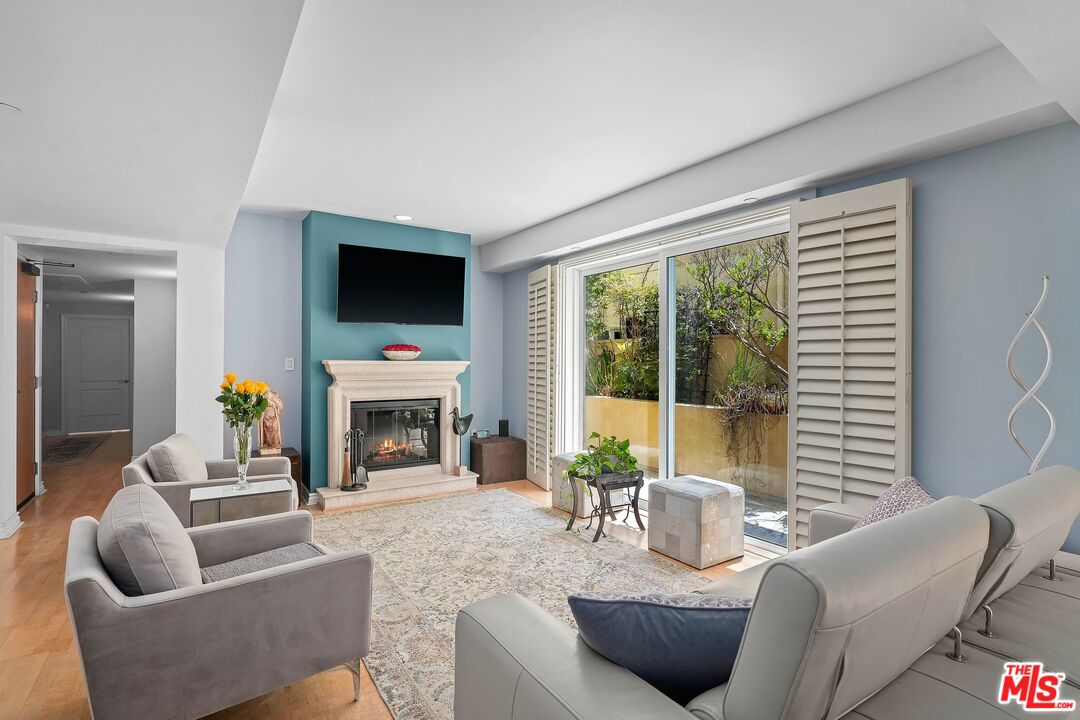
(399,433)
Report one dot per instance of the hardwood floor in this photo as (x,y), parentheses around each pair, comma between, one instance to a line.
(39,669)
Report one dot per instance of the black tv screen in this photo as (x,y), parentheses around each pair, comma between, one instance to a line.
(395,286)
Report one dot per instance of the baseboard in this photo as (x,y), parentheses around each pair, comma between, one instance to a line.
(9,526)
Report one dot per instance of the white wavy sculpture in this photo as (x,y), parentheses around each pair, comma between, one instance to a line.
(1032,320)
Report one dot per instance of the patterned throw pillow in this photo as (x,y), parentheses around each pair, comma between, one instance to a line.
(682,645)
(903,495)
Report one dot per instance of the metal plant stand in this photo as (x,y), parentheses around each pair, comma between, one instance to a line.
(604,484)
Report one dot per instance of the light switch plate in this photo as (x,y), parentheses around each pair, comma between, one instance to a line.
(290,364)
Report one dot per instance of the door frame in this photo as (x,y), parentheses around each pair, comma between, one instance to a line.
(64,365)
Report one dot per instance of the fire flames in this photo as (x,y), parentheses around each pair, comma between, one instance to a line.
(390,451)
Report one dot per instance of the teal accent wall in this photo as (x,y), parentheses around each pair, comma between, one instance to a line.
(325,338)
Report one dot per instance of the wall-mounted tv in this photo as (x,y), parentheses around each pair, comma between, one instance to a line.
(377,285)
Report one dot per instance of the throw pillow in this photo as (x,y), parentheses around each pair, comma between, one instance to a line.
(682,645)
(903,495)
(176,459)
(143,546)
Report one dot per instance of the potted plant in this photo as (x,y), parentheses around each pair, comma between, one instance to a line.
(608,466)
(608,456)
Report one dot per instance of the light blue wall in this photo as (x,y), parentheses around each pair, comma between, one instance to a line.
(262,310)
(325,338)
(486,347)
(988,223)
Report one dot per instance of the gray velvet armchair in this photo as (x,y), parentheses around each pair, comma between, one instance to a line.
(187,470)
(192,651)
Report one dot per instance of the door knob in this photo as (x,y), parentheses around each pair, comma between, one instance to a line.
(125,381)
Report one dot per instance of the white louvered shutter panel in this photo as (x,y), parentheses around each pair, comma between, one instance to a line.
(540,426)
(850,349)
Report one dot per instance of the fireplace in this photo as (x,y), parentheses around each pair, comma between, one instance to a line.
(398,433)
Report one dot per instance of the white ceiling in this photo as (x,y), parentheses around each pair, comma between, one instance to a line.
(492,116)
(139,117)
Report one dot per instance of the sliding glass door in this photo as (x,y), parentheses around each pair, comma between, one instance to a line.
(680,346)
(729,396)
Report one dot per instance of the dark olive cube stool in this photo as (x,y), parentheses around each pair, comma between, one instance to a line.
(498,459)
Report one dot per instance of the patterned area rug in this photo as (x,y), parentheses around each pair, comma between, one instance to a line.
(433,557)
(70,450)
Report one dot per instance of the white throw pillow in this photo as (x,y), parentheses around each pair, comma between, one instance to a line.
(176,459)
(143,546)
(903,495)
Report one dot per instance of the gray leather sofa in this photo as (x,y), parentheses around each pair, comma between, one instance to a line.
(176,489)
(191,651)
(857,626)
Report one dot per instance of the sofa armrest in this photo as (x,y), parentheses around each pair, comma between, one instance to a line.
(513,660)
(223,542)
(832,519)
(259,466)
(204,648)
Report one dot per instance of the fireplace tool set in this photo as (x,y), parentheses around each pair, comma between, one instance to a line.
(354,476)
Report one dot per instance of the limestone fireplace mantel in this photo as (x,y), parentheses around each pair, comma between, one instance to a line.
(361,380)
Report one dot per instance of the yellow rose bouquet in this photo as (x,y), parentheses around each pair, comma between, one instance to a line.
(244,404)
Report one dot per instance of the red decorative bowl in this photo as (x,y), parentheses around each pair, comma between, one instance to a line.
(401,352)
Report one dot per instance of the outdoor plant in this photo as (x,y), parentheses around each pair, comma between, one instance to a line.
(604,455)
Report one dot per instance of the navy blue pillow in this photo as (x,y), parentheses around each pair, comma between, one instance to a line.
(682,645)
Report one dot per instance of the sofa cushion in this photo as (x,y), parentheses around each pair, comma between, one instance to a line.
(261,561)
(176,459)
(680,644)
(902,496)
(143,546)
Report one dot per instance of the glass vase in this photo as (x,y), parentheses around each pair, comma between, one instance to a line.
(242,453)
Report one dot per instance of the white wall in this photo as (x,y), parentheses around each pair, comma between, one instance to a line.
(154,378)
(200,338)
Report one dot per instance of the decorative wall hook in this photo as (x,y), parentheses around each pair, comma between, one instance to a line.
(1032,320)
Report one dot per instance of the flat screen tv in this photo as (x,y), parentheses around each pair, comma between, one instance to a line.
(377,285)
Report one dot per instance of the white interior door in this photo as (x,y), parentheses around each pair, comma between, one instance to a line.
(96,357)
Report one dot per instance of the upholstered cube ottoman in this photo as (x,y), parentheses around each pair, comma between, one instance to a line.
(696,520)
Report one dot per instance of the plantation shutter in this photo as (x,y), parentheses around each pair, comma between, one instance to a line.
(850,359)
(540,403)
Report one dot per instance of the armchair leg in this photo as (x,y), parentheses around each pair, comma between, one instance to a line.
(354,668)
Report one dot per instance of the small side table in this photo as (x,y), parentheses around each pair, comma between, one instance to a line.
(498,459)
(604,484)
(221,503)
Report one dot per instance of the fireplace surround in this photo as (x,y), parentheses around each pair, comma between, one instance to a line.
(384,383)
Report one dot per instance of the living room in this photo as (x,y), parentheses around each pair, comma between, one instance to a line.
(491,360)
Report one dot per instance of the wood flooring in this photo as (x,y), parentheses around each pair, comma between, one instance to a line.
(40,675)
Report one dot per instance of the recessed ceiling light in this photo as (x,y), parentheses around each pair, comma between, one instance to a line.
(8,107)
(750,200)
(403,218)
